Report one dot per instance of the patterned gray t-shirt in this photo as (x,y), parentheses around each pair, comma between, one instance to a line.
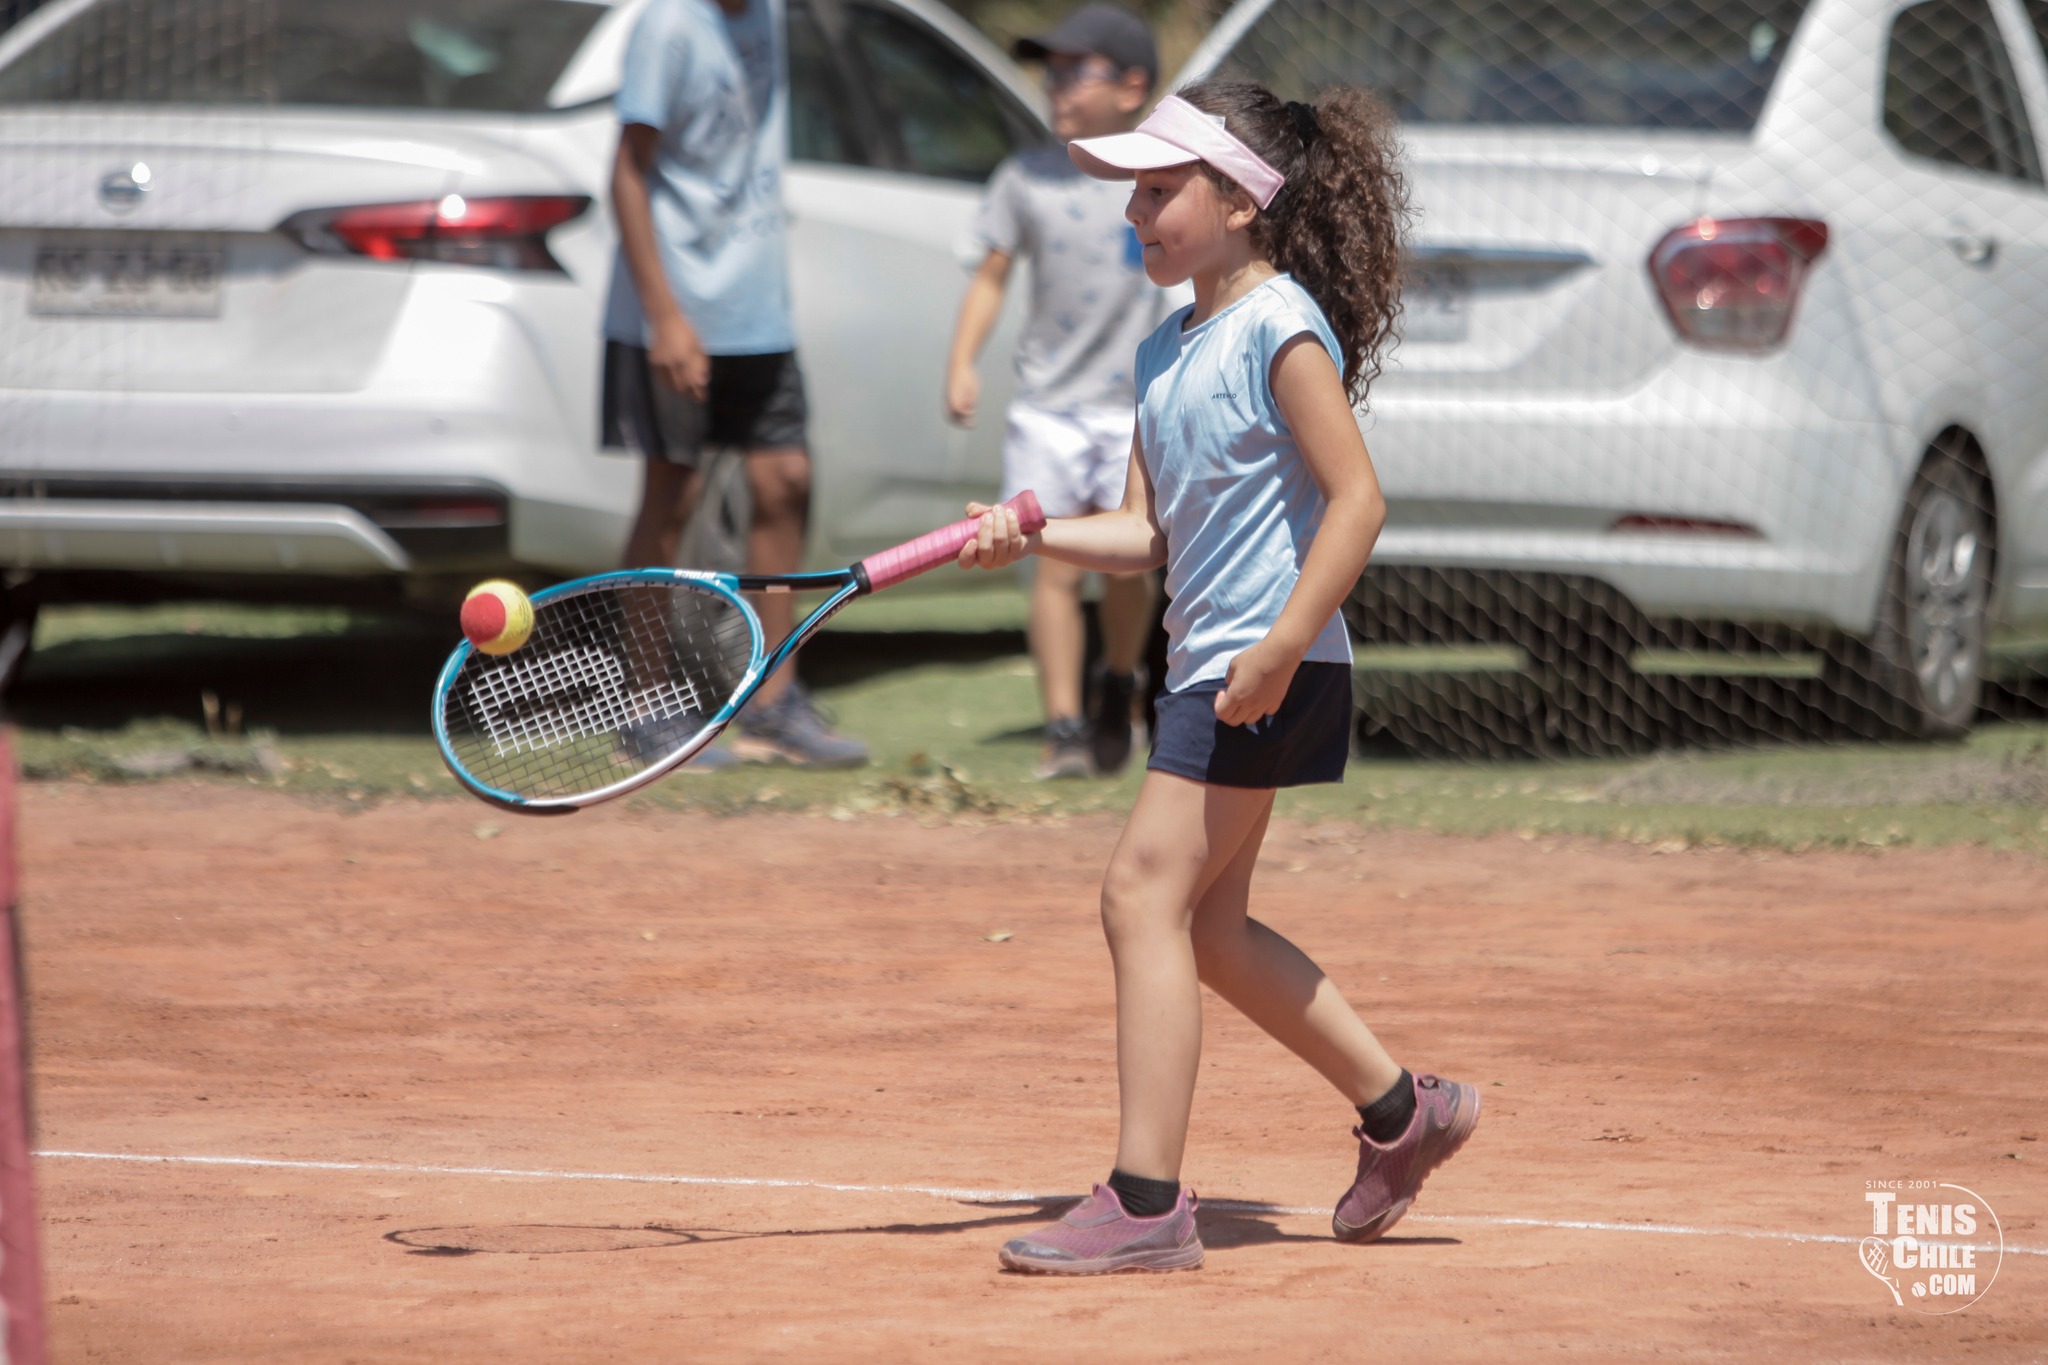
(1090,301)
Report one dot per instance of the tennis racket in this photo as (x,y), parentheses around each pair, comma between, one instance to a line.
(628,674)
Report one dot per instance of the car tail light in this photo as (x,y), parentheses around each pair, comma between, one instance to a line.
(1733,283)
(506,232)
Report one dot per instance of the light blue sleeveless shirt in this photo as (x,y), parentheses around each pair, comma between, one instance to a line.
(1229,486)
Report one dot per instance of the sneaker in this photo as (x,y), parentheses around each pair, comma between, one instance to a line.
(1114,731)
(1066,750)
(1098,1237)
(790,730)
(1388,1178)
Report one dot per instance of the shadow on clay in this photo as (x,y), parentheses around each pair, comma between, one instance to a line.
(1222,1230)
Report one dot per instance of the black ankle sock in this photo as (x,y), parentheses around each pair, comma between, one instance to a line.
(1386,1118)
(1144,1198)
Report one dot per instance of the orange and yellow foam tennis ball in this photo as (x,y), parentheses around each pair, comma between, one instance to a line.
(497,617)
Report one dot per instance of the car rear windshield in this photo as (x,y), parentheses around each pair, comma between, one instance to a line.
(1703,65)
(500,55)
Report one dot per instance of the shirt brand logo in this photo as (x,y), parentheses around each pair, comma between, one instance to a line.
(1225,395)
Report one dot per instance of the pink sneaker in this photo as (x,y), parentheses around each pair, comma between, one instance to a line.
(1388,1177)
(1098,1237)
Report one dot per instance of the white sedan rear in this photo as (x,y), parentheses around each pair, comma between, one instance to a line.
(303,299)
(1725,344)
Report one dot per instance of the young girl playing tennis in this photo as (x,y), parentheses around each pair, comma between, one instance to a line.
(1250,483)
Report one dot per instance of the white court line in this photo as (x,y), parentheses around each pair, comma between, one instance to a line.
(951,1192)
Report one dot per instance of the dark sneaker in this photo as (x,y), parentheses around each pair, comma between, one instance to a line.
(1114,729)
(1098,1237)
(790,730)
(1388,1178)
(653,739)
(1066,750)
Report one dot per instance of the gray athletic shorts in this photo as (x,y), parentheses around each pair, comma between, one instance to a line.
(755,402)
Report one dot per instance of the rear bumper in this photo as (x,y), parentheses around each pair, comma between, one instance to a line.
(60,535)
(474,388)
(1687,576)
(561,506)
(1537,485)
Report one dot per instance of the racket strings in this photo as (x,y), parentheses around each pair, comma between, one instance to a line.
(616,678)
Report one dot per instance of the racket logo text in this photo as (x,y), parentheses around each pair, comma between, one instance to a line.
(547,700)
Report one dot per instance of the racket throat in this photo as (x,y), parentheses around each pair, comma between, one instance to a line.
(824,581)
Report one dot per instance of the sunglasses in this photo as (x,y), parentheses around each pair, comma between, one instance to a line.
(1063,77)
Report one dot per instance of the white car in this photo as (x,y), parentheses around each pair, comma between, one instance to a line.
(304,299)
(1726,350)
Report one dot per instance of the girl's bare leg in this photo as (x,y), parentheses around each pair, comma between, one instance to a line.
(1180,837)
(1276,986)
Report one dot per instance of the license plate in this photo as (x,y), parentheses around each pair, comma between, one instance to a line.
(143,280)
(1437,304)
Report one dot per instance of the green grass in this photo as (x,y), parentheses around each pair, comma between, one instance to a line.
(954,736)
(894,613)
(1438,659)
(63,625)
(1702,663)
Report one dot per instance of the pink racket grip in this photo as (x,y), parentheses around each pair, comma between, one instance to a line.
(942,546)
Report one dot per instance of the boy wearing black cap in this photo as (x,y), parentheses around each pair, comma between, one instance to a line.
(1070,424)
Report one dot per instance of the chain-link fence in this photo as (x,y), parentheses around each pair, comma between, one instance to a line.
(1720,412)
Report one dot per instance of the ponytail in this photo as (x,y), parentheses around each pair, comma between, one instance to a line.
(1336,225)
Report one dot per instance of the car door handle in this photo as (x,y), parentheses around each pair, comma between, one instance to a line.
(1973,248)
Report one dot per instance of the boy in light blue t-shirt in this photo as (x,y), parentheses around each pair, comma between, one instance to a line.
(700,349)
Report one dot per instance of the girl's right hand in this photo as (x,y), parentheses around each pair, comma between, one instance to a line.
(998,543)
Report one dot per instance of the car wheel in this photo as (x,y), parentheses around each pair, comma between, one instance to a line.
(1925,661)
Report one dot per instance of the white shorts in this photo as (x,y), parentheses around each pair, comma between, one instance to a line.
(1075,462)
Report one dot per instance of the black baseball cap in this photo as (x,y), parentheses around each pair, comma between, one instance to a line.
(1110,30)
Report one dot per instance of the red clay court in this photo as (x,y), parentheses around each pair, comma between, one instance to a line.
(649,1086)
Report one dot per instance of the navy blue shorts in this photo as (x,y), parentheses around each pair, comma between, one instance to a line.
(1306,741)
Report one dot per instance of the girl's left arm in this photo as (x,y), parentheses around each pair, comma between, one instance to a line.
(1310,394)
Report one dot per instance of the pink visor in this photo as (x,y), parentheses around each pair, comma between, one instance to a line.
(1174,134)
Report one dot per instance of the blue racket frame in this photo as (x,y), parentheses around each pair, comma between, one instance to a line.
(843,585)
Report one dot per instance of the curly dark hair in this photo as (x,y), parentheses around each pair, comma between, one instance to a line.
(1337,224)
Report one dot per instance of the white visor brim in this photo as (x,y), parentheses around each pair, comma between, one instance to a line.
(1174,134)
(1120,156)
